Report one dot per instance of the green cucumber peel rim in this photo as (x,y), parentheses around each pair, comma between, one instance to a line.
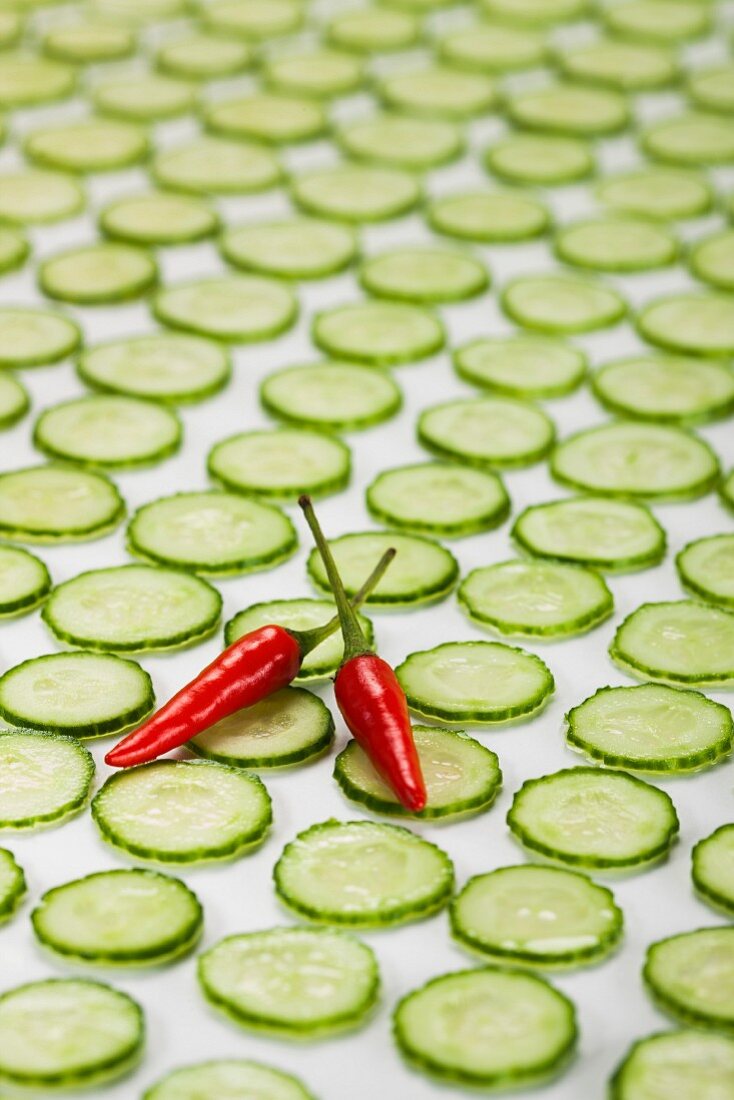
(12,885)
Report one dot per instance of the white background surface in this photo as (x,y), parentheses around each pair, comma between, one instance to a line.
(612,1007)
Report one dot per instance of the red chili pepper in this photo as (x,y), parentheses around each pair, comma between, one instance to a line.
(369,695)
(256,665)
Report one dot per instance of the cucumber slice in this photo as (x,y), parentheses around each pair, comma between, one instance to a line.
(162,367)
(521,366)
(57,504)
(691,977)
(363,874)
(11,27)
(402,141)
(486,1028)
(690,323)
(133,608)
(561,303)
(536,916)
(617,244)
(67,1033)
(331,396)
(230,1078)
(301,614)
(34,197)
(146,97)
(489,217)
(677,642)
(12,885)
(158,219)
(712,89)
(275,119)
(539,159)
(356,193)
(596,819)
(108,431)
(295,983)
(14,249)
(626,66)
(462,777)
(712,863)
(726,491)
(44,778)
(35,337)
(614,535)
(665,388)
(430,275)
(301,248)
(535,599)
(27,80)
(212,532)
(382,334)
(706,568)
(119,918)
(438,498)
(487,431)
(88,43)
(690,1065)
(203,57)
(256,19)
(439,91)
(290,727)
(712,260)
(373,29)
(90,145)
(631,459)
(182,811)
(537,12)
(234,308)
(695,138)
(492,48)
(24,581)
(138,12)
(477,682)
(14,401)
(651,728)
(575,109)
(213,166)
(667,21)
(98,274)
(423,571)
(665,193)
(281,463)
(322,73)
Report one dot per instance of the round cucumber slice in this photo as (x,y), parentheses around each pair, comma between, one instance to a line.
(489,217)
(290,727)
(158,219)
(281,463)
(14,401)
(617,244)
(234,308)
(108,431)
(81,694)
(487,431)
(373,29)
(382,334)
(664,193)
(296,983)
(211,532)
(24,581)
(356,193)
(88,43)
(300,614)
(203,57)
(182,811)
(634,459)
(561,303)
(91,145)
(423,570)
(712,260)
(34,197)
(691,1065)
(322,73)
(12,885)
(27,80)
(537,12)
(712,89)
(438,91)
(665,388)
(690,323)
(67,1033)
(575,109)
(462,777)
(255,19)
(695,138)
(596,819)
(665,21)
(301,248)
(265,116)
(706,568)
(213,166)
(712,862)
(331,396)
(162,367)
(119,918)
(521,366)
(691,977)
(651,728)
(57,504)
(363,874)
(477,682)
(98,274)
(44,778)
(438,498)
(677,642)
(14,249)
(133,607)
(486,1028)
(627,66)
(146,97)
(35,337)
(492,48)
(536,916)
(542,160)
(227,1078)
(429,275)
(402,141)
